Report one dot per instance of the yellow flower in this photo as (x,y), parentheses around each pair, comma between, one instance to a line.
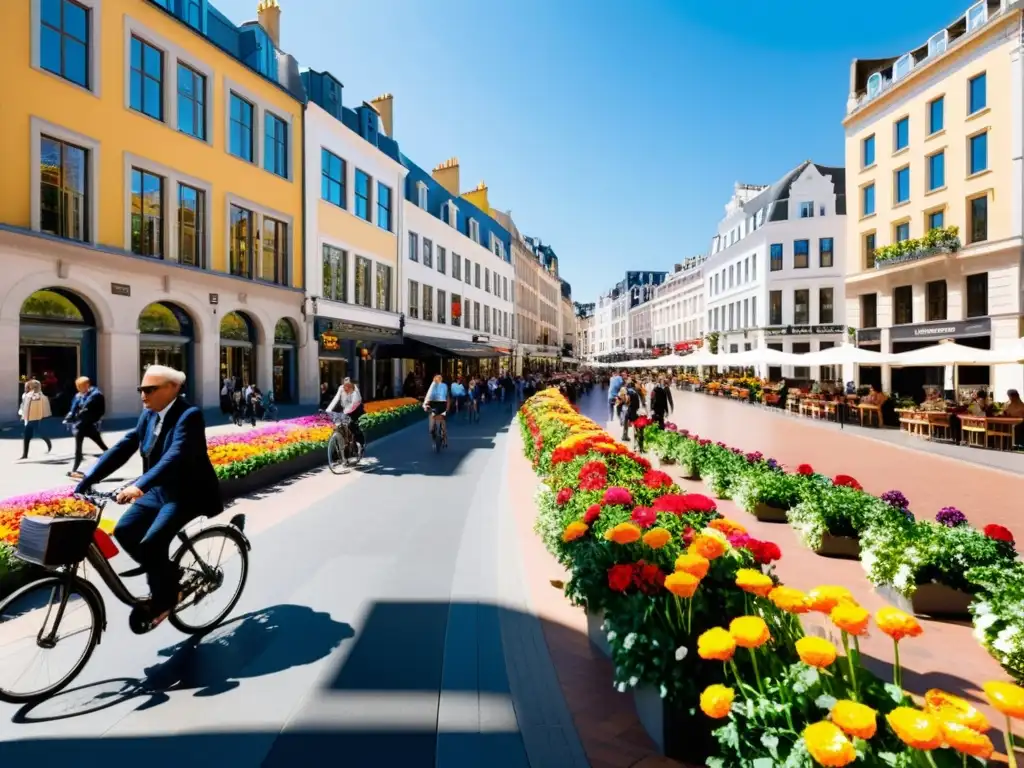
(681,584)
(716,701)
(816,651)
(693,564)
(850,618)
(656,538)
(828,745)
(824,599)
(726,526)
(966,740)
(708,546)
(946,706)
(1007,698)
(857,720)
(789,600)
(574,530)
(897,624)
(623,533)
(754,582)
(915,728)
(716,645)
(749,631)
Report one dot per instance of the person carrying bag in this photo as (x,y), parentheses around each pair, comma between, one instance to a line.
(35,406)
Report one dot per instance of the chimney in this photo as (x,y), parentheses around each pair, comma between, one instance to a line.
(268,15)
(447,175)
(385,106)
(478,197)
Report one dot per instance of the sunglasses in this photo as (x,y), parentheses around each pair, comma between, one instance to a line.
(149,390)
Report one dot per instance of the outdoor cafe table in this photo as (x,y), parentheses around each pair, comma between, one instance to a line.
(978,430)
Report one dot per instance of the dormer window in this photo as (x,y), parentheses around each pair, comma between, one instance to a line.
(421,192)
(902,67)
(450,214)
(977,15)
(937,43)
(474,230)
(874,85)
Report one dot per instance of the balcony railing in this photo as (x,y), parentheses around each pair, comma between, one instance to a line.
(937,241)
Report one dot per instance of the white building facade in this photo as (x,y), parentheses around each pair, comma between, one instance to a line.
(677,308)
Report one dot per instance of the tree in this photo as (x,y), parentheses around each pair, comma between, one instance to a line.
(583,310)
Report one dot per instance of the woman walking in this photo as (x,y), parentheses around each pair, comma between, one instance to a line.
(35,407)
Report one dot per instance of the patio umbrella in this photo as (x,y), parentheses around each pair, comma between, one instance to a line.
(946,352)
(846,354)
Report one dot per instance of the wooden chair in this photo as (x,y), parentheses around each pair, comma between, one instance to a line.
(939,427)
(870,413)
(1000,430)
(974,429)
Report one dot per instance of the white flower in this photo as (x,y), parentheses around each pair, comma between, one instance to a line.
(983,621)
(633,681)
(663,691)
(1006,640)
(825,702)
(629,641)
(621,687)
(611,636)
(681,652)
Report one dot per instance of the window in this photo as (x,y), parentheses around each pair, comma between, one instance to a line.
(979,219)
(363,196)
(191,226)
(901,134)
(826,304)
(487,319)
(428,252)
(147,76)
(240,142)
(441,259)
(746,270)
(730,275)
(801,254)
(901,185)
(801,306)
(147,214)
(504,285)
(476,316)
(753,267)
(868,200)
(64,45)
(274,258)
(977,96)
(487,280)
(362,294)
(901,232)
(414,246)
(753,310)
(978,154)
(332,178)
(869,310)
(63,185)
(469,272)
(335,266)
(936,171)
(384,206)
(474,231)
(977,295)
(384,287)
(869,250)
(935,291)
(456,310)
(191,102)
(192,14)
(442,306)
(456,267)
(775,264)
(775,308)
(936,115)
(242,229)
(428,303)
(806,210)
(867,151)
(903,304)
(414,299)
(275,146)
(476,275)
(421,195)
(826,257)
(936,220)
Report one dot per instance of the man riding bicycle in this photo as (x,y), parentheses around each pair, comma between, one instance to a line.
(178,484)
(436,403)
(351,404)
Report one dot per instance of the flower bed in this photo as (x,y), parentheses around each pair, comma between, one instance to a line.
(695,615)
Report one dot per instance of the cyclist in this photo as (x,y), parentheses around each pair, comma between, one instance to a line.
(351,404)
(459,396)
(472,398)
(178,484)
(436,402)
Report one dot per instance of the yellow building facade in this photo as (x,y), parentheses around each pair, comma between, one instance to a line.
(151,202)
(934,199)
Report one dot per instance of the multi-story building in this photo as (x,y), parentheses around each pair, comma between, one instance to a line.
(150,200)
(567,323)
(613,316)
(773,277)
(677,307)
(457,280)
(934,147)
(584,332)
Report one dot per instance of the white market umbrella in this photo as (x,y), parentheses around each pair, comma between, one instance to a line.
(945,353)
(705,357)
(845,354)
(766,356)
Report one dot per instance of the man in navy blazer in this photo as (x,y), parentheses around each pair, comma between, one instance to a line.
(178,483)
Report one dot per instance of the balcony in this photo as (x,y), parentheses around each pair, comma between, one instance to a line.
(936,242)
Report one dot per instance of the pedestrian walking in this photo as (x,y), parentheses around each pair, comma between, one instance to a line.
(85,418)
(35,406)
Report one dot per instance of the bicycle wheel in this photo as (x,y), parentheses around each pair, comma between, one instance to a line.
(42,624)
(223,552)
(336,454)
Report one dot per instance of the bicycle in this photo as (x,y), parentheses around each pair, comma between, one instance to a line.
(439,432)
(342,447)
(58,594)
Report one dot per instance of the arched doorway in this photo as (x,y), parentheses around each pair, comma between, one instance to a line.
(166,333)
(238,348)
(57,344)
(286,355)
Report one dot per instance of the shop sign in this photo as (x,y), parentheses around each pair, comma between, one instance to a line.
(944,329)
(120,289)
(479,339)
(330,342)
(215,298)
(804,330)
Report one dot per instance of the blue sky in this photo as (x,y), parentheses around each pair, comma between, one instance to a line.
(612,130)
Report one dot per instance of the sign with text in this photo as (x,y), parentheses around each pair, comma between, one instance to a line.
(944,329)
(804,330)
(120,289)
(214,298)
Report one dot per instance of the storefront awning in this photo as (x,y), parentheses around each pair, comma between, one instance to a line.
(454,347)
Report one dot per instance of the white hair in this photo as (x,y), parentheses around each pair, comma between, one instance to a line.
(166,373)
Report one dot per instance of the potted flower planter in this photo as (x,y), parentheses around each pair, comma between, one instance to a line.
(689,472)
(666,460)
(769,514)
(598,636)
(844,547)
(938,600)
(676,733)
(715,490)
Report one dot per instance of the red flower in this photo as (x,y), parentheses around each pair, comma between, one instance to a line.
(805,469)
(689,534)
(766,552)
(644,463)
(641,422)
(616,495)
(563,497)
(644,516)
(620,577)
(592,482)
(675,503)
(593,476)
(698,502)
(655,479)
(593,512)
(648,578)
(999,533)
(847,481)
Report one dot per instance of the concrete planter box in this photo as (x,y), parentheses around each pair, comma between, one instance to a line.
(272,474)
(689,472)
(666,460)
(941,601)
(598,637)
(843,547)
(677,734)
(767,514)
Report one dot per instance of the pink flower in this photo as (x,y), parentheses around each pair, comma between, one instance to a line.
(617,495)
(644,516)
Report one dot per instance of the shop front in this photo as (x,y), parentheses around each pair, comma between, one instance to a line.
(238,349)
(913,382)
(285,361)
(423,357)
(166,336)
(357,351)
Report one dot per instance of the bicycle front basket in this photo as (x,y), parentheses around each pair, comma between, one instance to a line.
(53,541)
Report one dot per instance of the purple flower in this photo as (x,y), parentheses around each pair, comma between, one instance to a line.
(951,517)
(772,464)
(895,499)
(909,514)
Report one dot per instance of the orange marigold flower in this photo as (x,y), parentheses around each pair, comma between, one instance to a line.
(681,584)
(824,599)
(574,530)
(656,538)
(753,581)
(946,706)
(897,624)
(749,631)
(856,719)
(623,533)
(789,600)
(693,564)
(716,701)
(708,546)
(966,740)
(828,745)
(726,526)
(915,728)
(850,618)
(816,651)
(716,645)
(1007,698)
